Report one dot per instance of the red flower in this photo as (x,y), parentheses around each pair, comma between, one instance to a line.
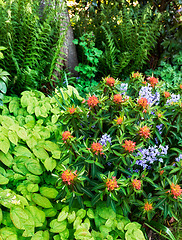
(129,145)
(148,206)
(176,190)
(117,98)
(136,184)
(180,86)
(92,101)
(110,81)
(111,184)
(166,94)
(66,136)
(71,110)
(144,132)
(97,148)
(68,176)
(161,172)
(153,81)
(136,75)
(119,120)
(143,102)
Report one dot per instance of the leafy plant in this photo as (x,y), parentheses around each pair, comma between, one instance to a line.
(3,78)
(33,39)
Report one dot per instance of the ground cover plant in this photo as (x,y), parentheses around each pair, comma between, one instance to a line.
(120,147)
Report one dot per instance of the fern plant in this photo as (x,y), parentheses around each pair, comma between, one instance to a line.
(128,36)
(33,39)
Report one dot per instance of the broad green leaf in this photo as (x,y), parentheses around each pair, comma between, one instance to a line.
(22,151)
(82,233)
(34,166)
(71,217)
(41,235)
(50,164)
(90,213)
(22,219)
(4,144)
(3,180)
(57,227)
(22,133)
(50,146)
(8,233)
(81,213)
(31,187)
(62,216)
(50,212)
(49,192)
(41,201)
(13,137)
(38,216)
(106,213)
(40,153)
(6,159)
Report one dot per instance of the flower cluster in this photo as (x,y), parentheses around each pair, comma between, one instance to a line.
(159,127)
(68,177)
(111,184)
(150,155)
(136,75)
(66,136)
(96,148)
(129,145)
(119,120)
(174,99)
(123,88)
(176,190)
(136,184)
(178,158)
(153,81)
(144,132)
(110,81)
(117,98)
(92,101)
(167,94)
(104,139)
(71,110)
(146,92)
(148,206)
(143,102)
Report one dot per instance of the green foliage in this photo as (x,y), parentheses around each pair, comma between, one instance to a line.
(171,74)
(91,56)
(33,38)
(3,78)
(85,86)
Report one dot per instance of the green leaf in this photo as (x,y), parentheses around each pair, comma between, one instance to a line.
(41,201)
(49,192)
(41,235)
(34,166)
(40,153)
(38,216)
(6,159)
(50,164)
(4,144)
(3,180)
(13,137)
(57,227)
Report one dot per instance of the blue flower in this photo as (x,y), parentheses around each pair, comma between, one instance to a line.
(124,87)
(104,139)
(146,92)
(174,98)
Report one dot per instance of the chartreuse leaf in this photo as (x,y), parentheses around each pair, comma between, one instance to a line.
(3,180)
(22,219)
(41,201)
(1,216)
(50,164)
(6,159)
(50,212)
(38,216)
(4,144)
(48,192)
(13,137)
(41,235)
(7,233)
(34,166)
(57,227)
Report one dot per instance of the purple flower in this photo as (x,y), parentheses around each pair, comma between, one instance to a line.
(159,127)
(124,87)
(174,98)
(178,158)
(104,139)
(146,92)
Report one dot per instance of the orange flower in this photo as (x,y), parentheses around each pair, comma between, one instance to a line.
(176,190)
(136,184)
(143,102)
(111,184)
(97,148)
(135,75)
(180,86)
(68,176)
(117,98)
(66,136)
(119,120)
(144,82)
(148,206)
(71,110)
(166,94)
(161,172)
(92,101)
(144,132)
(153,81)
(129,145)
(159,115)
(110,81)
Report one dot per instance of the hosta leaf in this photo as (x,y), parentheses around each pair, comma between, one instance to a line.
(6,159)
(22,133)
(3,180)
(40,153)
(38,216)
(57,227)
(41,201)
(13,137)
(22,151)
(50,164)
